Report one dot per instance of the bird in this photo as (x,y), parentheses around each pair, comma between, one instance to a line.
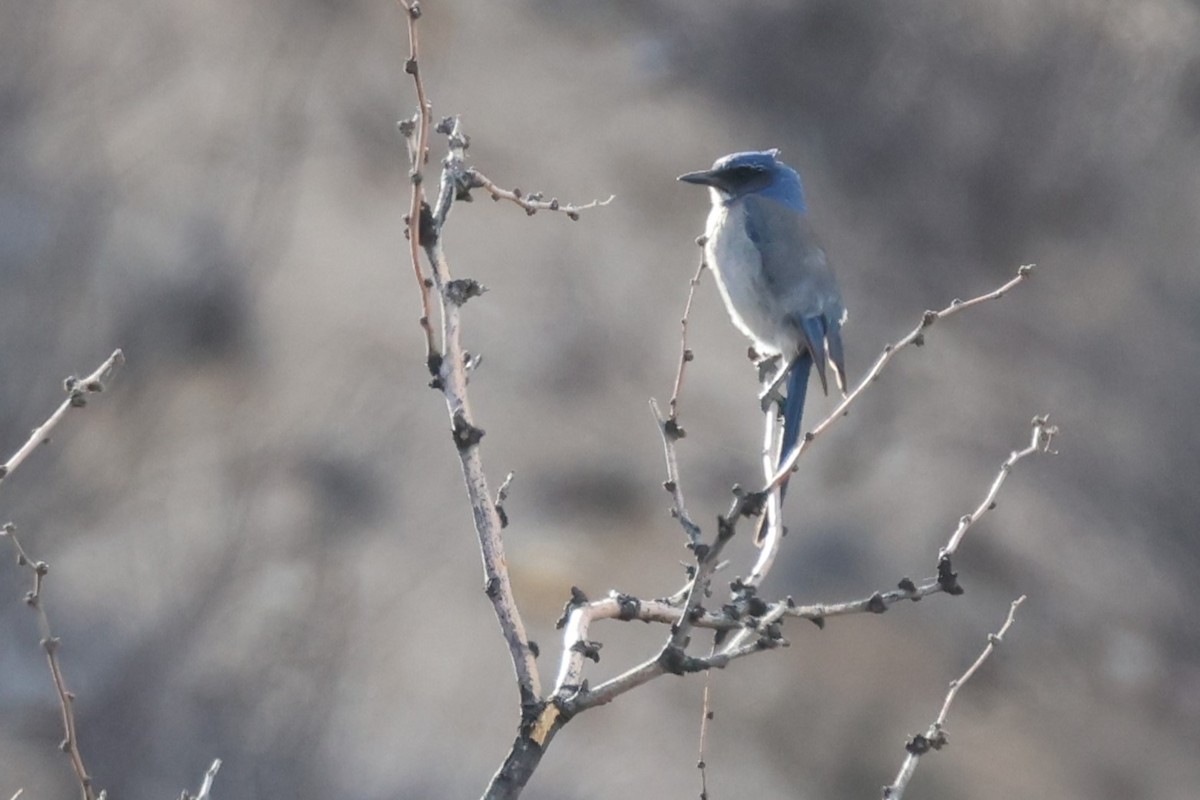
(773,275)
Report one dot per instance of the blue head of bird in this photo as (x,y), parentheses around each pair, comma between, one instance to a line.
(754,172)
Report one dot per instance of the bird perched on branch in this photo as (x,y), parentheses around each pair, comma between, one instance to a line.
(777,285)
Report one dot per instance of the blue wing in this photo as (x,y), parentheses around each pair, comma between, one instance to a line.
(805,297)
(798,283)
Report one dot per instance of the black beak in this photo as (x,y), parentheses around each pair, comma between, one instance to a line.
(704,177)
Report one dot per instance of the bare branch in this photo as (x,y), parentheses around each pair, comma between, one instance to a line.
(706,716)
(455,183)
(1043,435)
(934,737)
(917,337)
(487,520)
(532,202)
(465,178)
(708,558)
(206,785)
(669,427)
(77,391)
(672,660)
(946,580)
(505,486)
(771,530)
(876,603)
(685,353)
(752,633)
(451,378)
(50,644)
(772,525)
(77,394)
(581,616)
(671,433)
(502,497)
(450,369)
(209,775)
(623,607)
(417,135)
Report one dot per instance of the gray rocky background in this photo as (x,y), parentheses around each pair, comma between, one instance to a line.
(258,541)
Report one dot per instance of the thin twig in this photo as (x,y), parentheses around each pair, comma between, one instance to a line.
(670,434)
(532,202)
(209,775)
(418,156)
(708,557)
(77,391)
(771,530)
(502,498)
(917,337)
(50,644)
(669,427)
(505,486)
(876,603)
(576,628)
(706,716)
(818,613)
(934,737)
(1040,440)
(685,353)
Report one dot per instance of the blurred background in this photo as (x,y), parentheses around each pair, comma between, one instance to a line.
(259,545)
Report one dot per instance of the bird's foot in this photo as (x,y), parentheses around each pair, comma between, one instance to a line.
(772,376)
(768,368)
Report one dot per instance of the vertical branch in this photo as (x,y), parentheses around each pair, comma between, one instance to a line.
(450,370)
(418,157)
(668,426)
(671,432)
(706,716)
(50,644)
(685,353)
(772,519)
(452,377)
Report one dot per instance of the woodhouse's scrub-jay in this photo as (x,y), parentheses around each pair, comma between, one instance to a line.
(777,285)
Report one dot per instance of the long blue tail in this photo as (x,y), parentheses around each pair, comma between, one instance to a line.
(793,412)
(793,408)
